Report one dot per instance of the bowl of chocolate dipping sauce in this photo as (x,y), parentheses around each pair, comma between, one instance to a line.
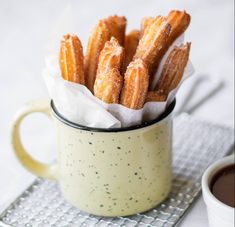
(218,189)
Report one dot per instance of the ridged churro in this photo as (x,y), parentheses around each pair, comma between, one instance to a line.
(130,45)
(179,21)
(117,27)
(154,40)
(71,59)
(108,83)
(173,69)
(97,39)
(136,84)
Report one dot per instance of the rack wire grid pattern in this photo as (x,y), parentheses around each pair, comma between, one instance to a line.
(196,145)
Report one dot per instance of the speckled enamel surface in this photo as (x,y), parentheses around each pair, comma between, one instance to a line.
(115,173)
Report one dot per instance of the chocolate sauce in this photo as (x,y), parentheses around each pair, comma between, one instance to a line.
(223,185)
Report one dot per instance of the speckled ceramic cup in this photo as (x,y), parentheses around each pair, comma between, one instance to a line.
(114,172)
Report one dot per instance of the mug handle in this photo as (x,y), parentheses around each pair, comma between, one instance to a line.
(37,168)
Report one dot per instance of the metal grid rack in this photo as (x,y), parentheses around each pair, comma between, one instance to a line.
(196,145)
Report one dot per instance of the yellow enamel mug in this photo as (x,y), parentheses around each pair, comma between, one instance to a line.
(107,172)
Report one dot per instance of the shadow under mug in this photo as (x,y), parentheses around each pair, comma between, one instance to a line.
(107,172)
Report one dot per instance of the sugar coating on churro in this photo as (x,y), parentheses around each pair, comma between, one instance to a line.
(71,59)
(145,22)
(97,39)
(136,84)
(108,86)
(111,56)
(117,26)
(130,45)
(179,21)
(173,69)
(154,39)
(109,81)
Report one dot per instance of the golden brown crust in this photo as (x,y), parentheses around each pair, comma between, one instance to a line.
(145,22)
(117,27)
(153,42)
(97,39)
(179,21)
(71,59)
(173,69)
(156,96)
(130,45)
(136,84)
(109,81)
(111,56)
(108,86)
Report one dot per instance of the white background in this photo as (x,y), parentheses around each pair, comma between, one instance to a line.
(29,29)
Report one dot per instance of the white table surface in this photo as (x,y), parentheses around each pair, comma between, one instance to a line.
(29,29)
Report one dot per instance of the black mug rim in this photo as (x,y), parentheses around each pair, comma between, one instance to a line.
(130,128)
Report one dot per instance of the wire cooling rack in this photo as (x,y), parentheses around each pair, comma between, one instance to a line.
(196,145)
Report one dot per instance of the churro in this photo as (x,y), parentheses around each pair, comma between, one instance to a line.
(155,38)
(111,56)
(98,37)
(179,21)
(145,22)
(117,27)
(173,69)
(108,83)
(71,59)
(136,84)
(130,45)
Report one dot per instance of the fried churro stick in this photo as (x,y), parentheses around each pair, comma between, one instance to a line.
(152,43)
(117,27)
(145,22)
(179,21)
(136,84)
(130,45)
(173,69)
(108,83)
(71,59)
(97,39)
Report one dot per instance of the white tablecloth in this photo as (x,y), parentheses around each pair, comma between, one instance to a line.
(27,29)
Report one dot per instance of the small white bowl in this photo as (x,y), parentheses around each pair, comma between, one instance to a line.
(219,214)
